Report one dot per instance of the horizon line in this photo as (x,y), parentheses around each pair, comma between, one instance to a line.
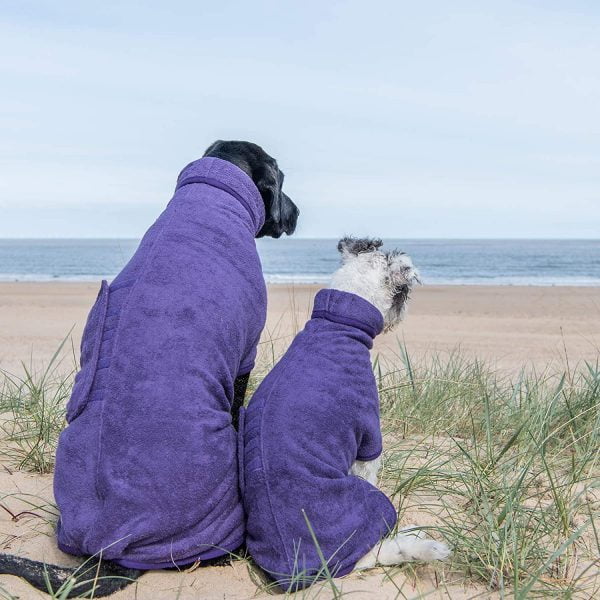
(312,238)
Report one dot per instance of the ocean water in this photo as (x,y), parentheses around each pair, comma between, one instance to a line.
(477,262)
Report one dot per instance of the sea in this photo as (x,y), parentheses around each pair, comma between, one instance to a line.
(292,260)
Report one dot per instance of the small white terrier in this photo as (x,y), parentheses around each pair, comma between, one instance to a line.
(300,471)
(385,280)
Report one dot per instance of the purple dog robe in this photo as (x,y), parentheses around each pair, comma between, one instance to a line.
(313,415)
(146,470)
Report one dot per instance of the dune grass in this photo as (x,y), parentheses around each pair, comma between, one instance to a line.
(32,413)
(504,467)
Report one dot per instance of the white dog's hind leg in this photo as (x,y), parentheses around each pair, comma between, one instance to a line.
(403,548)
(366,469)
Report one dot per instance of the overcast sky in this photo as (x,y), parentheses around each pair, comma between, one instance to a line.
(397,119)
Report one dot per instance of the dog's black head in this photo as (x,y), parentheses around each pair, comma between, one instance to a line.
(281,214)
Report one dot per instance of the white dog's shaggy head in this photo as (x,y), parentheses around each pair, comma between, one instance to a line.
(383,278)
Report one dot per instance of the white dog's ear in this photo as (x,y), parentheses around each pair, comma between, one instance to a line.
(401,269)
(403,276)
(351,246)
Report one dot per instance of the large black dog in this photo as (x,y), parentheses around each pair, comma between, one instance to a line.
(281,216)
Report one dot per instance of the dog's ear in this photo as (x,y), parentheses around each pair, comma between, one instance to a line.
(269,185)
(402,276)
(401,269)
(281,214)
(351,246)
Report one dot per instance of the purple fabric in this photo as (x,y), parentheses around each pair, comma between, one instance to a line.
(147,467)
(313,415)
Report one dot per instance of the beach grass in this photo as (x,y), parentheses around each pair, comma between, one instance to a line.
(505,467)
(32,413)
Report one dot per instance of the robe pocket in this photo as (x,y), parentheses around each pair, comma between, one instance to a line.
(240,450)
(90,350)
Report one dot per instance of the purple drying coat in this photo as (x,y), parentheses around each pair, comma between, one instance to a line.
(146,470)
(313,415)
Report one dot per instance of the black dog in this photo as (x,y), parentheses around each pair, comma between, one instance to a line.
(281,216)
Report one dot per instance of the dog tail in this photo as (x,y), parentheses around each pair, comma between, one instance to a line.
(101,578)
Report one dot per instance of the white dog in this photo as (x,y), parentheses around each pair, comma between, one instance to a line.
(312,438)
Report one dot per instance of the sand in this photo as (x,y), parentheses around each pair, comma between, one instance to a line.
(509,326)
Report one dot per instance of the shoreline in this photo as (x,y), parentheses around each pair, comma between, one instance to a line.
(477,284)
(510,326)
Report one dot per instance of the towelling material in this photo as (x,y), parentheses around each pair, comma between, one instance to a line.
(314,414)
(146,470)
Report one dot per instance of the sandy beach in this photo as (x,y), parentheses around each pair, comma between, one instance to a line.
(512,327)
(508,325)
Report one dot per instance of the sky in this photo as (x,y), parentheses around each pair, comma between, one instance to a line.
(394,119)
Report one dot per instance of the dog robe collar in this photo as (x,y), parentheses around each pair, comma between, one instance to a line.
(229,178)
(348,309)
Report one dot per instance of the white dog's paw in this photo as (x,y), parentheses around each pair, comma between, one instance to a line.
(431,550)
(403,548)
